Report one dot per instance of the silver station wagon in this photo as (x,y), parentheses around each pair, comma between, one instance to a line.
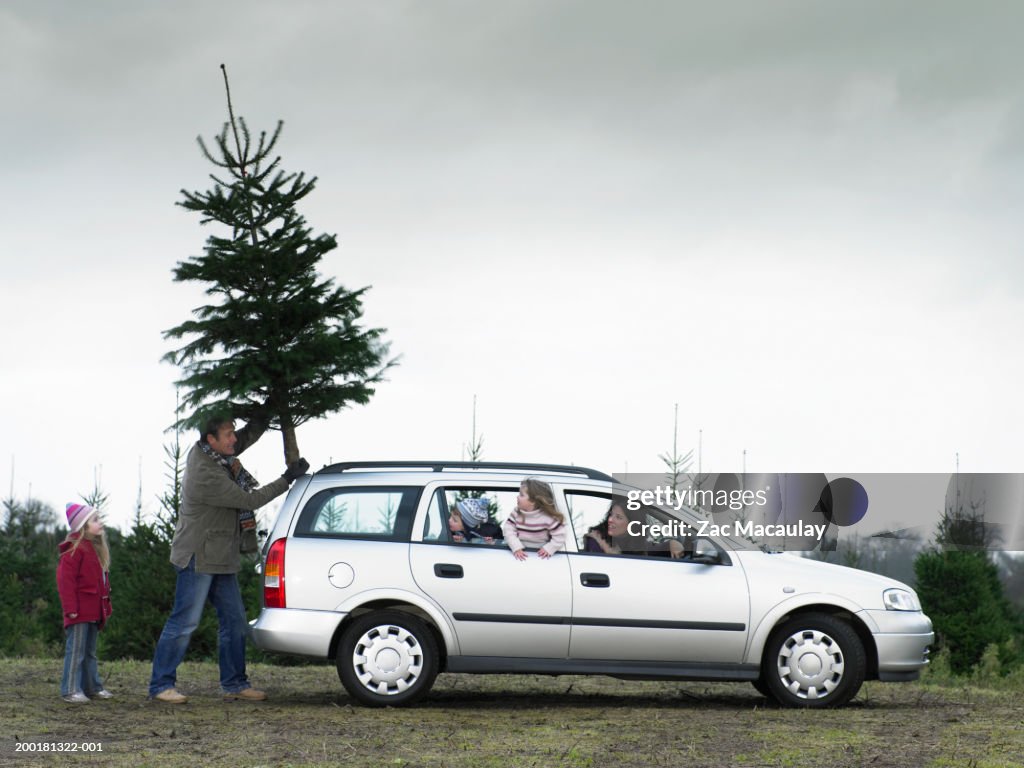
(367,565)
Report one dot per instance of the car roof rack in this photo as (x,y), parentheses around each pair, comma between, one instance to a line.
(441,466)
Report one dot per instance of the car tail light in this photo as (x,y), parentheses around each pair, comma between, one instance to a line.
(273,576)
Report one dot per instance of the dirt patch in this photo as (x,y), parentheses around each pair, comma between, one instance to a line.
(502,721)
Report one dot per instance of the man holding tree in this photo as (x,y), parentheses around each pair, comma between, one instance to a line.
(286,345)
(215,524)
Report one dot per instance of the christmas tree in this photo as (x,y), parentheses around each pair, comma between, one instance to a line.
(281,344)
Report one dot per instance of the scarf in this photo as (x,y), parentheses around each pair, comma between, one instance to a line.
(245,481)
(246,517)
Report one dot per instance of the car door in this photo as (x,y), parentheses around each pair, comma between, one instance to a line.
(653,608)
(498,605)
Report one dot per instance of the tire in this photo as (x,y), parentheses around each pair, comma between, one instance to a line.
(813,661)
(387,659)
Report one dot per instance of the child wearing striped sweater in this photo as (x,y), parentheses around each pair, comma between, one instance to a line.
(535,521)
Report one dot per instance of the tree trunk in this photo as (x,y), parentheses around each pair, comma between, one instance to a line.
(291,445)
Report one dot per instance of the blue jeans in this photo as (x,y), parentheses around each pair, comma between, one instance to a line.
(80,672)
(190,595)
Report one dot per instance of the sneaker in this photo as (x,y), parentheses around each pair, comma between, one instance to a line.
(171,696)
(76,698)
(246,694)
(103,693)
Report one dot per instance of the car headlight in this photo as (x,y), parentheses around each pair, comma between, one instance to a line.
(900,600)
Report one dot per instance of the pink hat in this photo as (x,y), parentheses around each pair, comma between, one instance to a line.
(77,515)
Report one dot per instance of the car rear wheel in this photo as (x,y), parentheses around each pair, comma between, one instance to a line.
(387,658)
(813,660)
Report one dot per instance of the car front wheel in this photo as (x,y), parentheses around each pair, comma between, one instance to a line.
(814,660)
(387,658)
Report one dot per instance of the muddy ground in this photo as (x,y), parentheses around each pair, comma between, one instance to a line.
(505,721)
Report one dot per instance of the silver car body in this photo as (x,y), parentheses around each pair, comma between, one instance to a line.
(575,613)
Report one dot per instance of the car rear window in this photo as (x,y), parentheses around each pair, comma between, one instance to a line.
(380,512)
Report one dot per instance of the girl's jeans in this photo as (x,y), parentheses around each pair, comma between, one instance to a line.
(80,672)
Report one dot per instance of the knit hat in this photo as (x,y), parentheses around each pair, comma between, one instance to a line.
(474,511)
(77,515)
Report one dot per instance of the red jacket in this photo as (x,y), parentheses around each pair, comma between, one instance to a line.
(83,586)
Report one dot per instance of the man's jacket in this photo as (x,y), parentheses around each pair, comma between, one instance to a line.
(208,521)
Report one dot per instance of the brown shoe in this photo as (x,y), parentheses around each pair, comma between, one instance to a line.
(171,696)
(246,694)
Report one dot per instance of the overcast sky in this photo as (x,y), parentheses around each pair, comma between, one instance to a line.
(798,220)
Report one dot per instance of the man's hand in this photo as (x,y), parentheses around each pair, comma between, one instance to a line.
(295,470)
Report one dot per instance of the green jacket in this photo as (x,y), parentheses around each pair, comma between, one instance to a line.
(208,520)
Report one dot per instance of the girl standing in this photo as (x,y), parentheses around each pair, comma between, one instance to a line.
(535,520)
(83,581)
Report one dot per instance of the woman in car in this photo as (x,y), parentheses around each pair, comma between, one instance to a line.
(612,536)
(602,538)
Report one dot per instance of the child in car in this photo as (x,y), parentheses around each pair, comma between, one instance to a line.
(470,522)
(536,521)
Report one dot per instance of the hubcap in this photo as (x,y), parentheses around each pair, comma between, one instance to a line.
(387,659)
(810,664)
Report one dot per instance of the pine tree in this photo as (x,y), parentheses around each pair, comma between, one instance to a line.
(30,611)
(283,344)
(677,464)
(959,586)
(174,466)
(97,498)
(961,593)
(476,442)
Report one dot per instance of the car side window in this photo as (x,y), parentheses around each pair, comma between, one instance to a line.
(445,524)
(359,512)
(641,532)
(499,502)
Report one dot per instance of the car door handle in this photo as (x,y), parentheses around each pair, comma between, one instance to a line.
(448,570)
(595,580)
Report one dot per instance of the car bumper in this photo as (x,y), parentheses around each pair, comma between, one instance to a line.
(289,630)
(902,639)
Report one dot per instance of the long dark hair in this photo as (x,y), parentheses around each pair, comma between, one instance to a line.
(602,527)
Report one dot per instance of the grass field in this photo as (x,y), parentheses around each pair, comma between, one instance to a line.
(500,721)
